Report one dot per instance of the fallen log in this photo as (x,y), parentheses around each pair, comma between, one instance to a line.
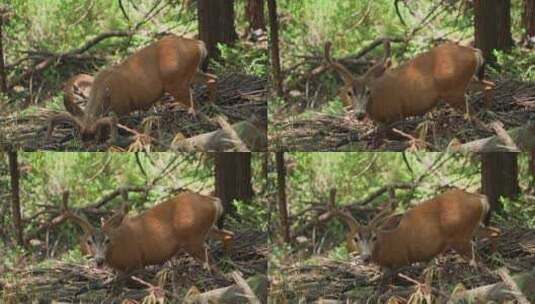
(252,133)
(523,137)
(231,294)
(498,292)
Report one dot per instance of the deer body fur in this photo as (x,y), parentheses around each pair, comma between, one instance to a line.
(169,65)
(415,87)
(156,235)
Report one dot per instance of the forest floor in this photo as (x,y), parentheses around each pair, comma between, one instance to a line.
(239,97)
(69,282)
(512,105)
(322,278)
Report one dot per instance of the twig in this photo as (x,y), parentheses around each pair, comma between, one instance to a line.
(123,10)
(140,166)
(119,191)
(438,291)
(55,58)
(398,13)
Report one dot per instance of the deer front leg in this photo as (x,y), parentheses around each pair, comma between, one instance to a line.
(460,103)
(211,84)
(222,235)
(182,94)
(486,87)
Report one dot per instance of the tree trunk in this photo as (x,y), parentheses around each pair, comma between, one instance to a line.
(3,80)
(232,179)
(254,10)
(15,199)
(216,24)
(492,26)
(283,208)
(499,177)
(528,22)
(532,167)
(274,46)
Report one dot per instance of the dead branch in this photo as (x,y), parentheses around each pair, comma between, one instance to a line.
(119,191)
(247,131)
(231,294)
(239,144)
(497,126)
(56,58)
(506,277)
(522,137)
(249,294)
(498,292)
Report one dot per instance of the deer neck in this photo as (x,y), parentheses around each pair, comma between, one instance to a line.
(389,249)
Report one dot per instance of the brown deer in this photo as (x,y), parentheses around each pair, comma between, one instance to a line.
(450,220)
(156,235)
(415,87)
(170,65)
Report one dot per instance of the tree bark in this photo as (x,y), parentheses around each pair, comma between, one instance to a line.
(232,179)
(528,22)
(274,46)
(492,26)
(532,167)
(15,198)
(3,80)
(283,208)
(499,177)
(216,24)
(254,10)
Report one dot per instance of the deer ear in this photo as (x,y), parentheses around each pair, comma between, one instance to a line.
(388,63)
(377,70)
(117,218)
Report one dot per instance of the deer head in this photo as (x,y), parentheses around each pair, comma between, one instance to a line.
(356,90)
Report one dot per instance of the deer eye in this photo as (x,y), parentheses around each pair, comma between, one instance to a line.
(106,241)
(88,242)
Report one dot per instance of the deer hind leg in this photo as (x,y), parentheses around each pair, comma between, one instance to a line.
(182,94)
(225,236)
(486,87)
(211,84)
(200,253)
(461,104)
(491,233)
(466,249)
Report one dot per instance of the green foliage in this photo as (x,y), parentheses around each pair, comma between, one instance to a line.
(339,253)
(517,212)
(335,108)
(251,213)
(517,64)
(242,58)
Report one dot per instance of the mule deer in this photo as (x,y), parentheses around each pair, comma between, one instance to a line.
(415,87)
(155,236)
(450,220)
(169,65)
